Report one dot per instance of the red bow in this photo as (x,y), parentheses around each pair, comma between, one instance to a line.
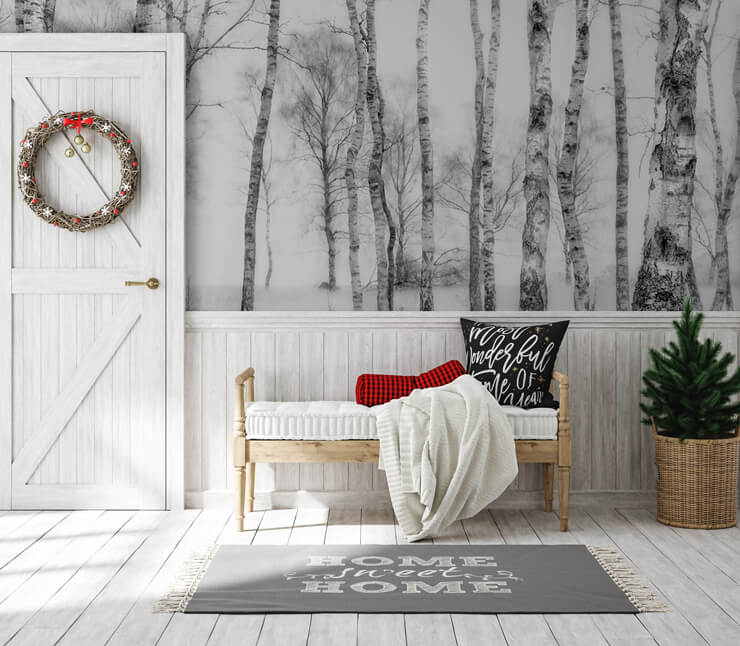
(77,123)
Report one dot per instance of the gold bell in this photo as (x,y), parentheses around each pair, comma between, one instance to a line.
(69,152)
(79,139)
(85,148)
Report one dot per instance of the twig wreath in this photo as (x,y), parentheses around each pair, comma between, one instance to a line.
(35,140)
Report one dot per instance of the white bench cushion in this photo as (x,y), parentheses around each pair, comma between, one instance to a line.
(328,420)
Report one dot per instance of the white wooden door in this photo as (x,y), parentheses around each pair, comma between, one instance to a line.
(88,353)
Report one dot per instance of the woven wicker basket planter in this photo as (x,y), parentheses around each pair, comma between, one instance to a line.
(697,482)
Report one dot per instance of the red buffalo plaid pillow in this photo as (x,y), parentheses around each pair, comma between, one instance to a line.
(372,390)
(440,375)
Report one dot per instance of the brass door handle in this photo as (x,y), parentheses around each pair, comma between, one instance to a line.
(152,283)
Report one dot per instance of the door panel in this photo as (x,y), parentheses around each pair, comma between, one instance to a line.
(88,392)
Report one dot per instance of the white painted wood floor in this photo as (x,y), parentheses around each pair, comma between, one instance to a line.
(91,578)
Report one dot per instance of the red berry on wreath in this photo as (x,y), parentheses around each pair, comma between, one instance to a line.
(112,135)
(33,201)
(25,164)
(123,192)
(56,224)
(115,211)
(43,125)
(128,141)
(134,164)
(77,220)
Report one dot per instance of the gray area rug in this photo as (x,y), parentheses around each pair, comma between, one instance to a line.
(246,579)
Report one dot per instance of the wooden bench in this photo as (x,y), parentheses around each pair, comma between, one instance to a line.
(248,452)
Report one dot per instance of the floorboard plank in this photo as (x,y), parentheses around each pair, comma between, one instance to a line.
(229,535)
(235,630)
(190,630)
(25,535)
(285,630)
(343,526)
(474,630)
(92,531)
(337,628)
(101,618)
(309,527)
(514,527)
(385,629)
(713,548)
(275,527)
(481,529)
(12,520)
(378,526)
(453,534)
(424,629)
(526,630)
(684,595)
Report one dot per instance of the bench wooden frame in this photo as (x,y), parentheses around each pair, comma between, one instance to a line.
(248,452)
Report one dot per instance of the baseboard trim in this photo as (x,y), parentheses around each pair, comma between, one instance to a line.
(224,499)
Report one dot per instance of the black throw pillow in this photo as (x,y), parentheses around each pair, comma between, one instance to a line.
(514,364)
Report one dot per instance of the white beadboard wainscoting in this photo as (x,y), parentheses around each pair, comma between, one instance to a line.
(318,355)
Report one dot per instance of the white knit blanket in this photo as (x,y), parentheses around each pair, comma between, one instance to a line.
(447,453)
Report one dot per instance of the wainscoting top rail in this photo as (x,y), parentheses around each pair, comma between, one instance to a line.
(431,320)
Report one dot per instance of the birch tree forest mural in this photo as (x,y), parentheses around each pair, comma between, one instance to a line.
(450,154)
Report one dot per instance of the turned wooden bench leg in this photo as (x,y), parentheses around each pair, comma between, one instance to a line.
(549,470)
(250,485)
(563,496)
(240,482)
(243,469)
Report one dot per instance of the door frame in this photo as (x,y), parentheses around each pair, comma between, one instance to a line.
(173,47)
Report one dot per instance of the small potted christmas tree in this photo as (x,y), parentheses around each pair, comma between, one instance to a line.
(690,401)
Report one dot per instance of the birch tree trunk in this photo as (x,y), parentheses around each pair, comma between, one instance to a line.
(567,162)
(426,293)
(329,233)
(169,9)
(268,232)
(144,19)
(358,133)
(18,10)
(392,231)
(666,277)
(474,216)
(723,291)
(375,167)
(258,145)
(50,10)
(34,19)
(623,167)
(532,278)
(489,101)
